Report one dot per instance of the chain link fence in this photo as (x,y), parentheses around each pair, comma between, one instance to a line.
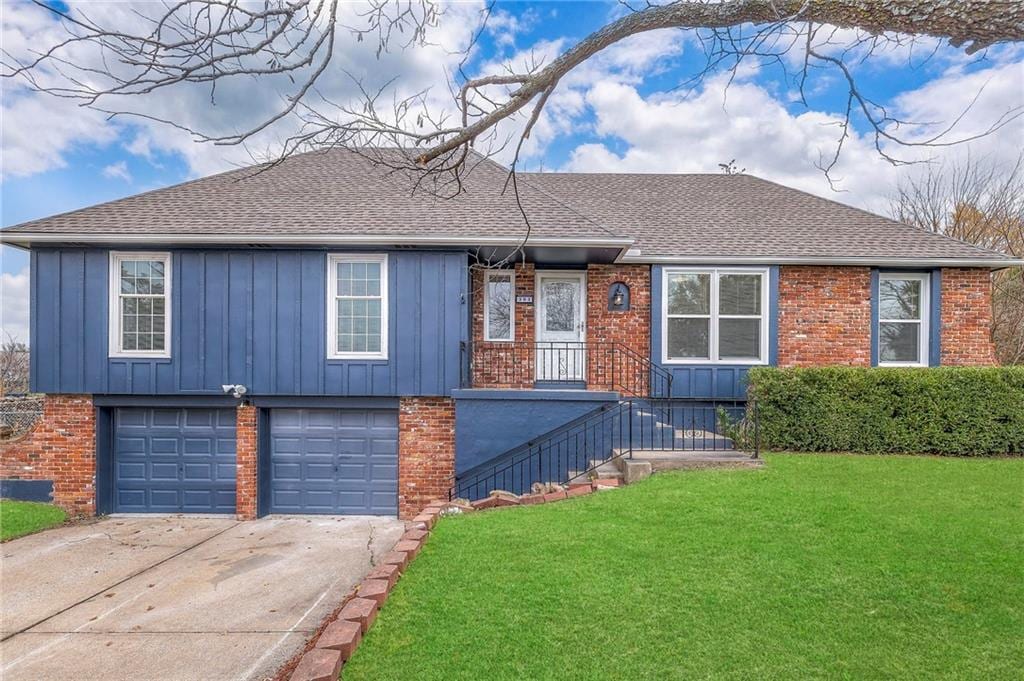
(18,414)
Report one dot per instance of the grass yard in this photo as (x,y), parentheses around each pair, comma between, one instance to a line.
(817,566)
(18,518)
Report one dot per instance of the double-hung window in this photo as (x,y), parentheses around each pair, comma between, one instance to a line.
(357,306)
(499,305)
(903,319)
(715,316)
(140,305)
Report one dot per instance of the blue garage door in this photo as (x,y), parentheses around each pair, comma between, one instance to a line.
(174,460)
(334,461)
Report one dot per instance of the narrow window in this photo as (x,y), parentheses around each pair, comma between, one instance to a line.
(903,319)
(715,316)
(357,306)
(689,315)
(140,309)
(499,306)
(739,316)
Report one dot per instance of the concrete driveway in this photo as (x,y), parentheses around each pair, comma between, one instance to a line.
(163,598)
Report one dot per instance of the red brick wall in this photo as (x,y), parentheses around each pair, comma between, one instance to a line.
(426,452)
(966,312)
(631,328)
(502,365)
(246,461)
(61,446)
(824,316)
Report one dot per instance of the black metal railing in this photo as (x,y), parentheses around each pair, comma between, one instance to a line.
(602,365)
(558,456)
(695,425)
(613,431)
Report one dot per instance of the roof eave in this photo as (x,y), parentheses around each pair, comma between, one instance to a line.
(28,239)
(863,261)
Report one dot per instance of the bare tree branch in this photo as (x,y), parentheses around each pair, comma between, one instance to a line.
(981,202)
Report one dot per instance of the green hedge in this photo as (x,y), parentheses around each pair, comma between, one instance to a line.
(946,410)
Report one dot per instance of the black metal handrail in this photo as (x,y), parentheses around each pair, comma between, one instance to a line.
(558,456)
(612,431)
(524,364)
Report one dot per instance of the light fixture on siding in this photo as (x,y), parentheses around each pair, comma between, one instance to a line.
(237,390)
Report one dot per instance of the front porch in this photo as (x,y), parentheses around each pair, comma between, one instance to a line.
(543,328)
(563,365)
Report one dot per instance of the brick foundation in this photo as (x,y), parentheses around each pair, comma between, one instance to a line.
(246,440)
(61,446)
(426,452)
(824,316)
(966,317)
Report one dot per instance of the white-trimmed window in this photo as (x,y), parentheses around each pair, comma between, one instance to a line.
(140,304)
(499,305)
(715,316)
(903,319)
(357,306)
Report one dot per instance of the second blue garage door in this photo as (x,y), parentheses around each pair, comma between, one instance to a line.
(341,461)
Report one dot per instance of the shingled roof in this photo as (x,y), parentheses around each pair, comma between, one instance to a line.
(740,216)
(338,196)
(331,192)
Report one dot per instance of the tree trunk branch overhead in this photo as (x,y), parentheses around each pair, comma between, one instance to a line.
(976,23)
(212,41)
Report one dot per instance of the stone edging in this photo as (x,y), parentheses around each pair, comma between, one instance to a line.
(338,640)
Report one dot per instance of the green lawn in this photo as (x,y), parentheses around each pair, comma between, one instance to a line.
(18,518)
(816,567)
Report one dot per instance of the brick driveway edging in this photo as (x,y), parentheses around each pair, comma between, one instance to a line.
(338,640)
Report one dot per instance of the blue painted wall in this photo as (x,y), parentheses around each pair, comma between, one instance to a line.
(248,316)
(490,422)
(711,381)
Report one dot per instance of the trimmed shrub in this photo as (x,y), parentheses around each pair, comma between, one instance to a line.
(959,411)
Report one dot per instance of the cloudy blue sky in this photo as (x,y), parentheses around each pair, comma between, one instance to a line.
(625,110)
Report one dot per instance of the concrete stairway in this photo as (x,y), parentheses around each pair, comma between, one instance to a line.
(644,462)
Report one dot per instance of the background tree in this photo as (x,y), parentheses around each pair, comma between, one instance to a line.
(108,63)
(14,367)
(983,203)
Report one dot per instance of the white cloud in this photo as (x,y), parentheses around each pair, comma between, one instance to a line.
(39,130)
(118,170)
(629,61)
(14,304)
(37,133)
(683,132)
(505,27)
(694,133)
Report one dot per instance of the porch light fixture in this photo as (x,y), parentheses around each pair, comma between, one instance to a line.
(618,297)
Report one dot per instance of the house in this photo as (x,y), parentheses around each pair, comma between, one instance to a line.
(317,338)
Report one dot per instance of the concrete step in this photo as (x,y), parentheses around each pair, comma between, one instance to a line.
(673,459)
(608,469)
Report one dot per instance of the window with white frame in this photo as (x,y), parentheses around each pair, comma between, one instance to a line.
(903,319)
(499,305)
(357,307)
(140,304)
(715,315)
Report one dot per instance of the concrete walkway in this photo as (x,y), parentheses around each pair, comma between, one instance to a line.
(165,598)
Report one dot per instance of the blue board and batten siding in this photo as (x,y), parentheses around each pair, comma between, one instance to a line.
(710,381)
(251,317)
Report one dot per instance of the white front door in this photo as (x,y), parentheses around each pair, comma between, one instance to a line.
(561,326)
